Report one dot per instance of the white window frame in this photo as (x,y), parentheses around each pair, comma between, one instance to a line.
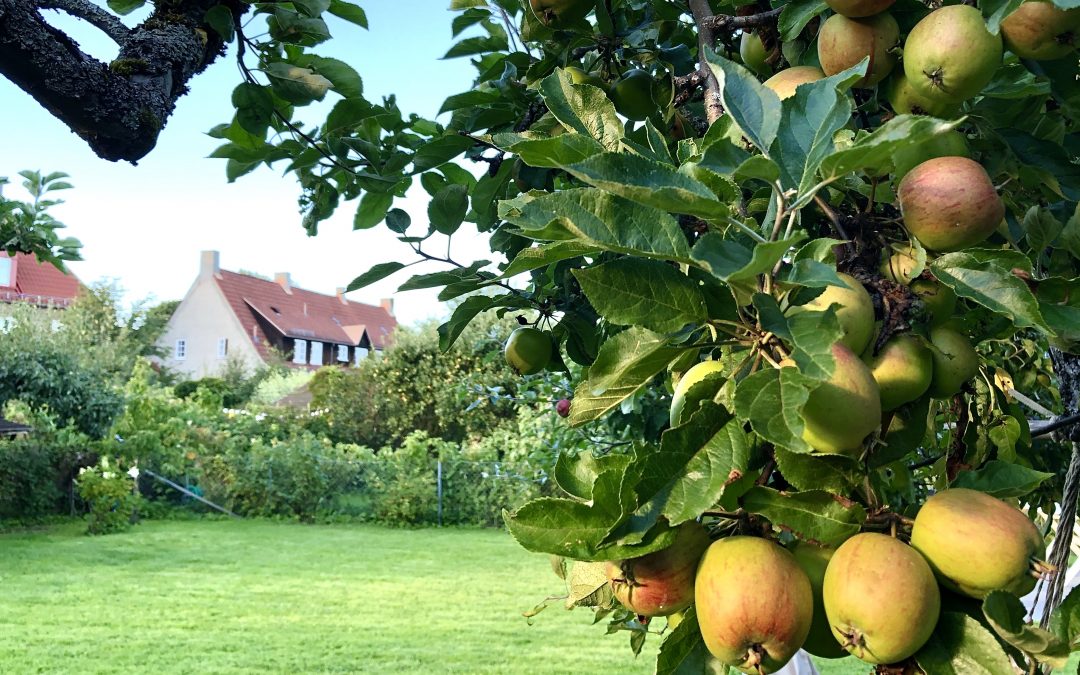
(316,356)
(7,267)
(180,350)
(223,348)
(343,353)
(360,354)
(299,351)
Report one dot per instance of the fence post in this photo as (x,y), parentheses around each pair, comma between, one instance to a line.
(438,487)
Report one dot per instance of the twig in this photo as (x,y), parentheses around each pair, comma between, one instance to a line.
(725,22)
(957,448)
(714,108)
(92,14)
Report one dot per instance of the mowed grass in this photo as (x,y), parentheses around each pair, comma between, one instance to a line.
(264,597)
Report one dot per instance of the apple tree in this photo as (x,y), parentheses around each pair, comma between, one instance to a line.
(833,248)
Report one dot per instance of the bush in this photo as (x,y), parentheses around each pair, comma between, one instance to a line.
(109,494)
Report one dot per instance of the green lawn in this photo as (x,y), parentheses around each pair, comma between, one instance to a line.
(264,597)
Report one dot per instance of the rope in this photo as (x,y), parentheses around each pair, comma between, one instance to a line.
(1059,557)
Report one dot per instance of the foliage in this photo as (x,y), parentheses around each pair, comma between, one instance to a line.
(27,227)
(39,367)
(414,386)
(279,383)
(109,493)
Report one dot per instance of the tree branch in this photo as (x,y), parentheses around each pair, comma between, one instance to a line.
(704,18)
(724,22)
(107,23)
(119,108)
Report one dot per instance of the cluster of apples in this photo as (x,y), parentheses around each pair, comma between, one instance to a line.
(948,57)
(875,597)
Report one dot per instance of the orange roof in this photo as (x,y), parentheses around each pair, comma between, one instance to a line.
(38,282)
(303,314)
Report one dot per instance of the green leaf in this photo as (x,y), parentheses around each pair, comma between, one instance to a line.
(601,220)
(349,12)
(961,646)
(731,261)
(771,400)
(254,107)
(372,209)
(986,277)
(543,255)
(649,293)
(220,19)
(125,6)
(576,475)
(810,119)
(556,152)
(755,107)
(477,45)
(626,362)
(834,473)
(996,11)
(650,183)
(683,652)
(376,273)
(467,311)
(448,208)
(796,15)
(582,108)
(439,151)
(1065,621)
(706,465)
(815,515)
(1006,613)
(312,8)
(873,153)
(1002,479)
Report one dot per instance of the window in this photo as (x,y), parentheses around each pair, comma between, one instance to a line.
(343,353)
(180,352)
(5,272)
(222,347)
(360,354)
(299,351)
(316,353)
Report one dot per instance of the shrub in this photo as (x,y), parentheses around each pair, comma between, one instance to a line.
(108,493)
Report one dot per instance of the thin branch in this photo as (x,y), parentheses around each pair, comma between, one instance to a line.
(1040,428)
(107,23)
(703,16)
(724,22)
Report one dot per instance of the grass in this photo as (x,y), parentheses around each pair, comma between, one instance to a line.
(262,597)
(259,597)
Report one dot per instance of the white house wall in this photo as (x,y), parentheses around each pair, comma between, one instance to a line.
(201,320)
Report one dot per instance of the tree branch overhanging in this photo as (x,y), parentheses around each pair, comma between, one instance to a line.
(119,108)
(704,18)
(107,23)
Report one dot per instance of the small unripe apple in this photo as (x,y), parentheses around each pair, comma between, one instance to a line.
(855,312)
(528,350)
(579,76)
(900,267)
(949,203)
(694,375)
(814,560)
(561,13)
(1040,31)
(843,42)
(852,390)
(786,81)
(902,369)
(753,54)
(955,361)
(563,407)
(632,95)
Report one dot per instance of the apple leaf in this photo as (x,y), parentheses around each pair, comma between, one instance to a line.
(986,277)
(771,400)
(755,107)
(576,475)
(447,209)
(731,261)
(534,257)
(648,293)
(1006,613)
(596,218)
(1065,621)
(722,459)
(815,515)
(960,645)
(555,152)
(796,15)
(467,311)
(683,652)
(834,473)
(873,153)
(1003,480)
(588,585)
(582,108)
(376,273)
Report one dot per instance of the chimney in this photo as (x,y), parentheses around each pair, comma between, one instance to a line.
(283,280)
(341,295)
(209,263)
(388,305)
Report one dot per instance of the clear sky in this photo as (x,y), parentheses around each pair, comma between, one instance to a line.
(145,225)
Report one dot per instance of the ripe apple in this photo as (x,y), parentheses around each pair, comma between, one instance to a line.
(562,407)
(561,13)
(528,350)
(753,53)
(694,375)
(881,598)
(902,369)
(660,583)
(786,81)
(950,55)
(843,42)
(955,361)
(632,95)
(754,604)
(976,543)
(949,203)
(1040,31)
(842,411)
(906,101)
(855,312)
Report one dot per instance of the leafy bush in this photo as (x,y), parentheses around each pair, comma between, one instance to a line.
(108,493)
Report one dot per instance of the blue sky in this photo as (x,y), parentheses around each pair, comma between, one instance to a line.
(145,225)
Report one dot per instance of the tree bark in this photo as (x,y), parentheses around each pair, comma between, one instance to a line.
(119,108)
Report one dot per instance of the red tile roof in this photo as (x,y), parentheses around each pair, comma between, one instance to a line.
(40,283)
(302,313)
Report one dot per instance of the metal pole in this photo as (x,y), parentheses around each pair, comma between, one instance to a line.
(438,487)
(189,493)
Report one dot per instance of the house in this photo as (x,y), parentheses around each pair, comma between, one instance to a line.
(24,279)
(232,316)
